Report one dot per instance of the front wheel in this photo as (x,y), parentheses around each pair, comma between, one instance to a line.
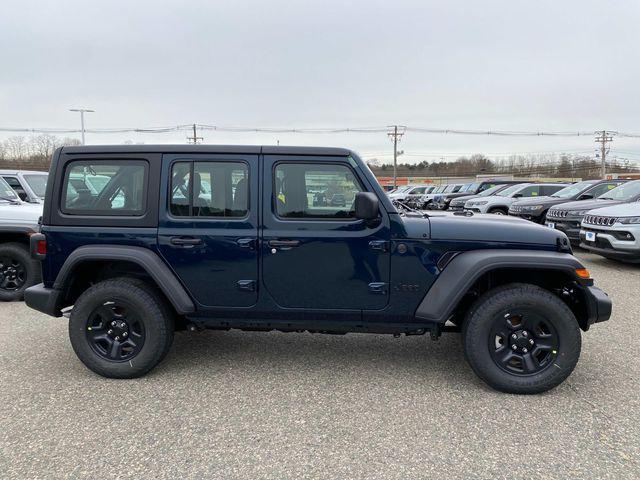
(121,328)
(520,338)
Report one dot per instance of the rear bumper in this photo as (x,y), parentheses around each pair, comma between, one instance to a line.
(43,299)
(598,305)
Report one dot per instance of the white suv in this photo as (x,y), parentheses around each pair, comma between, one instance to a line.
(613,232)
(29,185)
(501,201)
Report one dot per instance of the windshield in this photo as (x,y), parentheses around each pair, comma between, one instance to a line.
(626,191)
(440,189)
(466,188)
(472,187)
(6,192)
(38,183)
(572,190)
(450,188)
(507,192)
(492,191)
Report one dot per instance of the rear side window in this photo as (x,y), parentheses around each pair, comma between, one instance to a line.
(531,191)
(315,191)
(17,187)
(114,187)
(602,189)
(209,189)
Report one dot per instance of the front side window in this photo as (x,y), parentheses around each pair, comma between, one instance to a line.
(7,194)
(317,191)
(624,192)
(17,186)
(209,189)
(602,189)
(105,188)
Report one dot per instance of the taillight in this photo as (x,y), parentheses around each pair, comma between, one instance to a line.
(41,247)
(38,244)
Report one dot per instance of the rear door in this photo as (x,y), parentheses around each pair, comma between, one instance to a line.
(208,226)
(315,254)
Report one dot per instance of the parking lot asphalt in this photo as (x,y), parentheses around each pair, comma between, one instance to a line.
(285,405)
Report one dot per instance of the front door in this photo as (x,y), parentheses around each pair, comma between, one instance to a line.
(208,231)
(315,253)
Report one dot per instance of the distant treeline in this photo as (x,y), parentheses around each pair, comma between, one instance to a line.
(31,153)
(519,165)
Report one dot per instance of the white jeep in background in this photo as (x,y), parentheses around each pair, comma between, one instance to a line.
(18,221)
(613,232)
(30,185)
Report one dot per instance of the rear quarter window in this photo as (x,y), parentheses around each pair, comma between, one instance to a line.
(105,188)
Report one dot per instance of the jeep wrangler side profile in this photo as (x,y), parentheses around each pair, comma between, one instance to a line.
(220,237)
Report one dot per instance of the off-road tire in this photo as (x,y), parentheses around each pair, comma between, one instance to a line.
(32,273)
(476,335)
(152,310)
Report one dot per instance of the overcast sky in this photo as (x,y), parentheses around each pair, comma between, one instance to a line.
(509,65)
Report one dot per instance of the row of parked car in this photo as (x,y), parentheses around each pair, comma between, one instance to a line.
(602,216)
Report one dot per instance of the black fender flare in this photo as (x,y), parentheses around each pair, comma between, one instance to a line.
(145,258)
(465,268)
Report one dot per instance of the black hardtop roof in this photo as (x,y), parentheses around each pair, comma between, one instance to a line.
(246,149)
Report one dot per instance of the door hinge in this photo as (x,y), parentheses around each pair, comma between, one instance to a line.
(379,246)
(379,288)
(247,285)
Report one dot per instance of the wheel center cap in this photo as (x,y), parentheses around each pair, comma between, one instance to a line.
(521,341)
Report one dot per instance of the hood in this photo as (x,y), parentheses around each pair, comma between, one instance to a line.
(20,214)
(622,210)
(492,228)
(535,201)
(584,205)
(463,198)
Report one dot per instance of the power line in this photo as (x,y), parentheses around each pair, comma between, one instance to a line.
(194,139)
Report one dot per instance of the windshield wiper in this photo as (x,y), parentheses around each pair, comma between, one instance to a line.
(406,207)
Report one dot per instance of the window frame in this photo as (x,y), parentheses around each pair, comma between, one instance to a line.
(274,209)
(192,161)
(106,213)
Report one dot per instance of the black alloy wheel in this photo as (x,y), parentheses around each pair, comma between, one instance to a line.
(115,332)
(523,342)
(13,274)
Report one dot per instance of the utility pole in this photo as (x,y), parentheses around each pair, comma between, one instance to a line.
(81,110)
(195,137)
(603,137)
(395,136)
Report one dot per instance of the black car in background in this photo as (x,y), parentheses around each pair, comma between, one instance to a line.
(443,202)
(535,209)
(568,216)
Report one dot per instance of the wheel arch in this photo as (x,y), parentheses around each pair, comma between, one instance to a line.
(470,274)
(87,263)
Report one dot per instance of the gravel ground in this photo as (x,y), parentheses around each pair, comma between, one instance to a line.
(275,405)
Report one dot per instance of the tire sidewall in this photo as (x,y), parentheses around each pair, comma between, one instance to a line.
(479,324)
(150,314)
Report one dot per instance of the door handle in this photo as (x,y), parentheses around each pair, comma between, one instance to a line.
(185,241)
(248,243)
(284,243)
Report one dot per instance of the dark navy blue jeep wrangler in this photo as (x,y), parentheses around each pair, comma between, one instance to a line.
(139,241)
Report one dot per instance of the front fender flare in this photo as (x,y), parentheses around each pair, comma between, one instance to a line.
(465,268)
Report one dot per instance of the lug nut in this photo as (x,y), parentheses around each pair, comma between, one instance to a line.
(113,324)
(124,334)
(525,333)
(109,332)
(514,346)
(531,341)
(514,336)
(118,338)
(524,350)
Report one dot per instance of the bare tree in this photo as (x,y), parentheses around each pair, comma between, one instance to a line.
(43,145)
(16,147)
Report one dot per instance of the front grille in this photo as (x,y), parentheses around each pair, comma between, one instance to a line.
(557,213)
(599,220)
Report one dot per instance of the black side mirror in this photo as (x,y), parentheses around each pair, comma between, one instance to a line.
(517,195)
(585,196)
(366,205)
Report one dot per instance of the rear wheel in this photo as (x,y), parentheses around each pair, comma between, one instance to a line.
(520,338)
(121,328)
(18,271)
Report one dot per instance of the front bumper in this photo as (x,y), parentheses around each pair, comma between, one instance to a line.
(43,299)
(570,227)
(609,246)
(533,217)
(598,305)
